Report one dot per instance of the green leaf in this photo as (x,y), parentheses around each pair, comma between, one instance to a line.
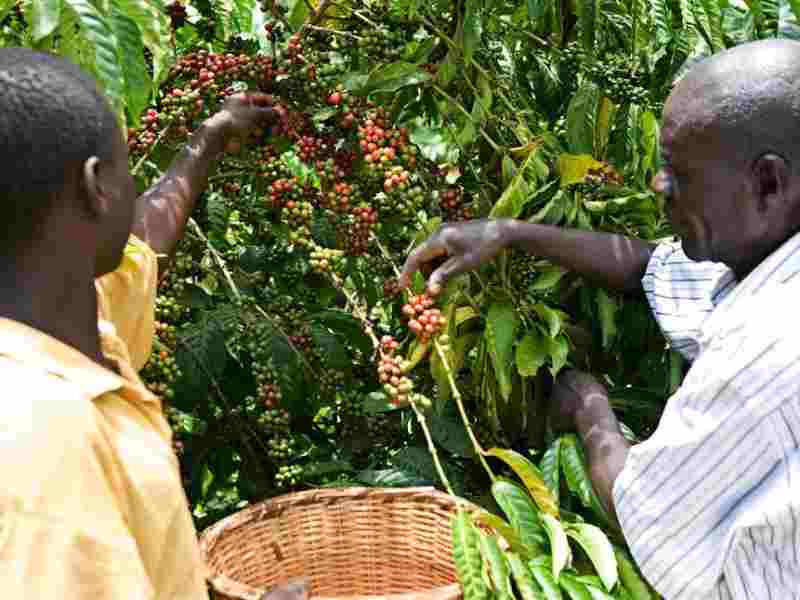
(503,529)
(523,578)
(298,13)
(467,557)
(629,575)
(451,435)
(501,327)
(392,77)
(530,476)
(550,468)
(498,567)
(581,114)
(552,318)
(154,25)
(521,513)
(377,403)
(331,348)
(532,352)
(559,545)
(599,550)
(547,279)
(515,196)
(575,589)
(607,309)
(559,350)
(431,142)
(131,58)
(544,577)
(708,19)
(578,480)
(588,16)
(390,478)
(97,31)
(473,28)
(43,17)
(347,325)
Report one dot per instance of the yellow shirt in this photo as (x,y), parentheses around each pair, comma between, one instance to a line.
(91,501)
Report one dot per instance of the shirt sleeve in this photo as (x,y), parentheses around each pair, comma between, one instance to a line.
(126,299)
(681,494)
(682,293)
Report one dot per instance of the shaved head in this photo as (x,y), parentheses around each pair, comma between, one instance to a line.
(731,147)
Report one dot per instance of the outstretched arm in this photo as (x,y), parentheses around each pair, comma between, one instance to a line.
(163,211)
(613,261)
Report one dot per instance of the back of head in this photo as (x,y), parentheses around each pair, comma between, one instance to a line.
(52,119)
(749,94)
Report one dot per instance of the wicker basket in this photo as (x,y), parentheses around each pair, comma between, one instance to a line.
(354,543)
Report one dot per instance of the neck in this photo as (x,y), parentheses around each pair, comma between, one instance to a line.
(57,299)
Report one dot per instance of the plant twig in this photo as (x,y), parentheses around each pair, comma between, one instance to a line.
(432,448)
(332,31)
(459,106)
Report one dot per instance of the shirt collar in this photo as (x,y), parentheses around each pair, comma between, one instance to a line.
(34,348)
(777,269)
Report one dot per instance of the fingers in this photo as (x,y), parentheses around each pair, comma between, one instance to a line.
(422,254)
(441,276)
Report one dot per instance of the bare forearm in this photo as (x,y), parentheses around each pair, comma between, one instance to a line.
(163,211)
(606,447)
(613,261)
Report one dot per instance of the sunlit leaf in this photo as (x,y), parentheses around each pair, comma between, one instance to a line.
(501,326)
(530,476)
(521,513)
(599,550)
(532,352)
(467,557)
(559,545)
(499,569)
(523,578)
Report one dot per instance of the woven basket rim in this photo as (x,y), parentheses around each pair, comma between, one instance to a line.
(223,584)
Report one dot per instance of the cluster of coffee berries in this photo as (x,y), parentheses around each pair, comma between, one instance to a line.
(325,260)
(391,372)
(453,205)
(424,320)
(232,188)
(270,395)
(299,216)
(338,199)
(288,476)
(169,310)
(167,333)
(391,287)
(275,422)
(284,190)
(160,374)
(355,234)
(382,144)
(309,147)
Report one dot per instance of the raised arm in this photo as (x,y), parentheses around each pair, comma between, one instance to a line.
(163,211)
(612,261)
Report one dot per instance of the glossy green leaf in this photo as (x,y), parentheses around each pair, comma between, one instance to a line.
(553,318)
(392,77)
(501,327)
(523,578)
(559,350)
(630,577)
(298,13)
(499,570)
(450,434)
(547,279)
(606,112)
(573,168)
(44,17)
(531,353)
(607,309)
(96,29)
(575,589)
(578,480)
(521,513)
(708,18)
(154,25)
(550,468)
(581,114)
(473,28)
(559,545)
(131,58)
(467,557)
(515,196)
(502,528)
(530,476)
(588,22)
(599,550)
(542,572)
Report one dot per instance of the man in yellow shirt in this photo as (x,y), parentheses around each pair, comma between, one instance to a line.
(91,502)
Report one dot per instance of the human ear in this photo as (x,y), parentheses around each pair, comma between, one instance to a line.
(98,201)
(770,176)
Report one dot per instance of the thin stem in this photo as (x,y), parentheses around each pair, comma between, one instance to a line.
(458,105)
(366,20)
(432,448)
(333,31)
(459,402)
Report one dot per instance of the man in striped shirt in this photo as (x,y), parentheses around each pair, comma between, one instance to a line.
(710,504)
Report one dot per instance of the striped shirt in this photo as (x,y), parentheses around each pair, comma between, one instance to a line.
(710,504)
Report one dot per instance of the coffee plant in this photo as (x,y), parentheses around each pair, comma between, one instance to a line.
(286,353)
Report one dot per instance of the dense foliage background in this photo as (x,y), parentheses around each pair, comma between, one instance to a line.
(286,353)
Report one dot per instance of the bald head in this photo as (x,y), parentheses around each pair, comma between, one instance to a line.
(749,95)
(731,147)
